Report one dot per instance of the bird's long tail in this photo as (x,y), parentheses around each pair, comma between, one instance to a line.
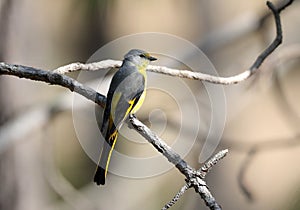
(103,163)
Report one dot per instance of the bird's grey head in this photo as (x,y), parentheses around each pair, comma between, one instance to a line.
(139,57)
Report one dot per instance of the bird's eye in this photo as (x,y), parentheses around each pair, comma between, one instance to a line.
(142,56)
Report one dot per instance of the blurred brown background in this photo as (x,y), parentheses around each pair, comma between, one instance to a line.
(42,165)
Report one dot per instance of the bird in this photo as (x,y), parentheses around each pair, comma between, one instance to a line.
(125,96)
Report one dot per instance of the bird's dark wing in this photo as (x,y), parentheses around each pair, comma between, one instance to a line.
(128,94)
(122,73)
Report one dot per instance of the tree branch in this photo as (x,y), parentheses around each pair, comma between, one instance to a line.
(105,64)
(67,82)
(278,39)
(162,147)
(193,178)
(207,166)
(200,188)
(187,74)
(53,79)
(177,196)
(195,75)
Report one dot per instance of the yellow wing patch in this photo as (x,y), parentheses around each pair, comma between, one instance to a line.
(139,103)
(113,137)
(131,102)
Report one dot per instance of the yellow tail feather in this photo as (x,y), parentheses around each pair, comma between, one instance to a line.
(104,159)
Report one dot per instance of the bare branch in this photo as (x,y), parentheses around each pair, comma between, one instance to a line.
(162,147)
(278,39)
(177,196)
(199,184)
(201,188)
(73,85)
(106,64)
(207,166)
(191,175)
(53,79)
(195,75)
(200,76)
(241,175)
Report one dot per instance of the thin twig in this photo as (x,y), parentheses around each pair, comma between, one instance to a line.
(207,166)
(241,175)
(276,42)
(177,196)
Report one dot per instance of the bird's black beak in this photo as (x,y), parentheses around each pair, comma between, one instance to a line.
(152,58)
